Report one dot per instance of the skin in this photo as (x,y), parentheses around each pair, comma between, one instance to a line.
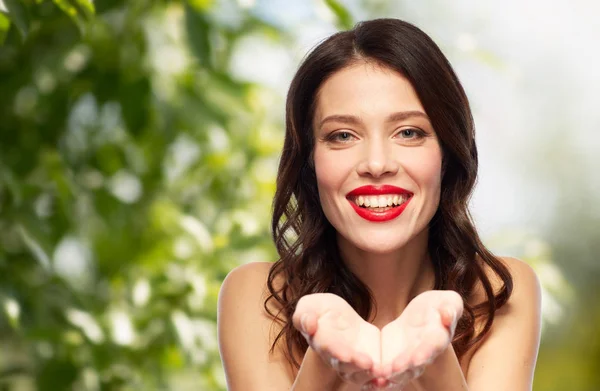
(406,345)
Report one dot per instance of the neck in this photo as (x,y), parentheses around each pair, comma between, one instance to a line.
(394,278)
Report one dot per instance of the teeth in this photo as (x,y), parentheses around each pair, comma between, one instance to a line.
(381,200)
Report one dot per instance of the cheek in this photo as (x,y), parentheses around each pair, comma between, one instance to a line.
(432,175)
(432,171)
(426,169)
(328,169)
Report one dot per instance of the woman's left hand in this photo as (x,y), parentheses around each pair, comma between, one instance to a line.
(423,331)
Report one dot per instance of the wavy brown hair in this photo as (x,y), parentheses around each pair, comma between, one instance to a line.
(305,240)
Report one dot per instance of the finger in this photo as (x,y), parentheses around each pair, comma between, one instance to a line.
(379,383)
(309,323)
(351,375)
(350,372)
(400,379)
(371,386)
(448,316)
(423,356)
(331,347)
(355,370)
(453,301)
(451,324)
(427,351)
(382,370)
(306,323)
(362,360)
(400,363)
(297,320)
(401,370)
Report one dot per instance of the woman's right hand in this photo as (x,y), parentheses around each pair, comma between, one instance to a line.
(341,338)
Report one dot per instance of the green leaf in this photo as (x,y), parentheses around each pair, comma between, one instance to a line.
(80,11)
(19,16)
(135,101)
(84,8)
(198,30)
(345,20)
(201,5)
(56,374)
(4,26)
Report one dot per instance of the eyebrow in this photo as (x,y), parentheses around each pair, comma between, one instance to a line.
(354,120)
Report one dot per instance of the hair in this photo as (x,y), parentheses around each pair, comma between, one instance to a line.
(305,240)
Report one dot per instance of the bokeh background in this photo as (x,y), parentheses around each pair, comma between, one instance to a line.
(139,143)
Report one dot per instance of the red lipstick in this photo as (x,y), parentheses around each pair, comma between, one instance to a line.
(371,215)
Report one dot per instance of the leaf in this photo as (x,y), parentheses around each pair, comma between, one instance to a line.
(198,30)
(56,374)
(19,16)
(80,11)
(4,26)
(84,8)
(135,101)
(201,5)
(34,240)
(345,20)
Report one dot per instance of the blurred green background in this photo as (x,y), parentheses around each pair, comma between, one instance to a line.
(139,143)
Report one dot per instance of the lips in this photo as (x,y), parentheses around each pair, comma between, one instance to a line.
(370,190)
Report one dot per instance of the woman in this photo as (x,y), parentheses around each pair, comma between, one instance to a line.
(382,280)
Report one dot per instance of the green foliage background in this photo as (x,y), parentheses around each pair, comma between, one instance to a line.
(135,172)
(148,179)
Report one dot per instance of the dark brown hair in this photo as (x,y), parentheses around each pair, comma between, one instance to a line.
(305,240)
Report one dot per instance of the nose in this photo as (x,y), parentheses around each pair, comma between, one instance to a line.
(378,159)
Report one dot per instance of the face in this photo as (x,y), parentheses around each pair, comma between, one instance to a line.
(371,129)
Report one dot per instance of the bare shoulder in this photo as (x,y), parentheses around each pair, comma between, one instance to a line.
(252,273)
(525,283)
(515,332)
(245,332)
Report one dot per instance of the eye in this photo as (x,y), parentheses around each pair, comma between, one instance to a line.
(340,136)
(411,133)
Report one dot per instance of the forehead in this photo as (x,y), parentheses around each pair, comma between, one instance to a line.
(366,89)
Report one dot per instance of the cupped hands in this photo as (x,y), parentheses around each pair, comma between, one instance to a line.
(376,359)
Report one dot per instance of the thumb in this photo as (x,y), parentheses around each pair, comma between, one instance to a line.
(308,323)
(450,319)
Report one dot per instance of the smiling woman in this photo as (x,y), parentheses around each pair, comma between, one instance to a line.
(387,283)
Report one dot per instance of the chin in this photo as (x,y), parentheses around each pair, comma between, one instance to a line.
(381,246)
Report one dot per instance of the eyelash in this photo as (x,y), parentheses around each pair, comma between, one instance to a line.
(420,134)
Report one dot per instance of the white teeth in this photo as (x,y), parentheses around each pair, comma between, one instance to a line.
(380,201)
